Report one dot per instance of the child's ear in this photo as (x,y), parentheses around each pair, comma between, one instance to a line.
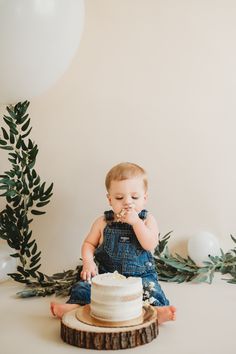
(109,198)
(145,197)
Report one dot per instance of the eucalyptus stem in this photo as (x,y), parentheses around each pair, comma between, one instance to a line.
(174,268)
(24,192)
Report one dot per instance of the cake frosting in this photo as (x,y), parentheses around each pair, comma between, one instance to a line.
(116,298)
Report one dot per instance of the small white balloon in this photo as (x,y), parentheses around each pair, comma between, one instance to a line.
(201,245)
(8,264)
(38,41)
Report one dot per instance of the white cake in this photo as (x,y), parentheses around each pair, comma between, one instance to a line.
(115,298)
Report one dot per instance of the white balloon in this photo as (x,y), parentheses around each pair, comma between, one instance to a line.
(201,245)
(8,264)
(38,39)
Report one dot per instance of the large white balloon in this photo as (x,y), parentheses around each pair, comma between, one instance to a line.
(38,39)
(201,245)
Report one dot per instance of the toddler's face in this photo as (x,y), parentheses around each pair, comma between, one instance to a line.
(127,193)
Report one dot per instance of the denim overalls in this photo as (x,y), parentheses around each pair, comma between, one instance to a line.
(122,252)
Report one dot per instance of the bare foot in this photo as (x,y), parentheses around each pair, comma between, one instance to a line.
(166,313)
(58,309)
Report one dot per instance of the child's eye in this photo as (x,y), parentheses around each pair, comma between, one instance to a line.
(119,198)
(135,198)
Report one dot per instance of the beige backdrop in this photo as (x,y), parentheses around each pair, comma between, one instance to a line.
(153,82)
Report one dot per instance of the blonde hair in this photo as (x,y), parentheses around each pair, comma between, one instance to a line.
(125,170)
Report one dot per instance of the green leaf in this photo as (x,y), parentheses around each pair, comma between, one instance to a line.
(23,107)
(5,135)
(200,278)
(37,180)
(22,271)
(211,276)
(41,189)
(12,138)
(30,201)
(11,193)
(176,264)
(18,144)
(28,236)
(48,191)
(26,125)
(42,204)
(41,276)
(8,119)
(42,199)
(15,255)
(10,173)
(13,130)
(33,270)
(16,276)
(34,250)
(23,119)
(35,259)
(11,124)
(233,238)
(24,147)
(30,144)
(37,212)
(34,174)
(11,112)
(33,152)
(6,147)
(3,142)
(8,181)
(13,154)
(27,293)
(31,165)
(27,133)
(18,186)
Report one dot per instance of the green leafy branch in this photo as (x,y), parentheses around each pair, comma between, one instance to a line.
(58,284)
(26,195)
(24,192)
(174,268)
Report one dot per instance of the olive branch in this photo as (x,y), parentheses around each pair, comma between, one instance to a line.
(175,268)
(25,195)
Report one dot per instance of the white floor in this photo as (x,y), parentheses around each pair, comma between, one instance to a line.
(205,323)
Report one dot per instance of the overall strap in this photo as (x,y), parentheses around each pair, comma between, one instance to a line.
(109,215)
(143,214)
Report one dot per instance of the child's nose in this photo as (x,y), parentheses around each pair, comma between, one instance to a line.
(128,202)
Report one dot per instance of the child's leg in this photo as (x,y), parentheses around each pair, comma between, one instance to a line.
(80,295)
(58,309)
(165,313)
(156,297)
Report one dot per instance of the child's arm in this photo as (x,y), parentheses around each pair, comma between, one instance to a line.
(146,231)
(89,245)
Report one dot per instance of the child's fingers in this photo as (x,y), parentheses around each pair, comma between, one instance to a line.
(94,272)
(85,275)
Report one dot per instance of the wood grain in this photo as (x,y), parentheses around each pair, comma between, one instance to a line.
(84,335)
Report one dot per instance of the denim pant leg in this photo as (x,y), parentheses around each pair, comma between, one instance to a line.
(153,291)
(80,293)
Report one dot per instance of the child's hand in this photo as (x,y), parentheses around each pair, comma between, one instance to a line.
(89,270)
(128,215)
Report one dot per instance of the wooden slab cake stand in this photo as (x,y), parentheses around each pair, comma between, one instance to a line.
(78,328)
